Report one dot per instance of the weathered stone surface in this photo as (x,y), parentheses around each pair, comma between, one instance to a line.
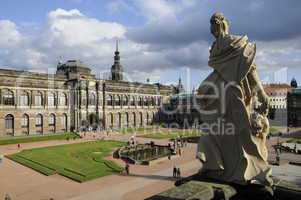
(197,190)
(236,153)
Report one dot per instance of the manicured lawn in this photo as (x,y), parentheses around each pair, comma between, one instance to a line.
(172,134)
(80,162)
(131,130)
(36,138)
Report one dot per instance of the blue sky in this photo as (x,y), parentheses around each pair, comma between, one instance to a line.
(159,39)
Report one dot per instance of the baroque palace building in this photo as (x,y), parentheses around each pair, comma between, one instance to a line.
(73,99)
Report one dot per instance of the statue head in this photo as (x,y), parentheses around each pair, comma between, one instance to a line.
(219,25)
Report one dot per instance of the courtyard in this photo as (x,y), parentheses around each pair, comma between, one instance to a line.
(142,182)
(89,156)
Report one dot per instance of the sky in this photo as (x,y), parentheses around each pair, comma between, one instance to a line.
(160,40)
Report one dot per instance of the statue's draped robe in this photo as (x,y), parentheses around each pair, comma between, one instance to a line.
(232,153)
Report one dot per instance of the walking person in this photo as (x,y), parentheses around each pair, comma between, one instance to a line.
(174,173)
(127,168)
(178,173)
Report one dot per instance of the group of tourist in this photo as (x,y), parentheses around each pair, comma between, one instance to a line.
(176,172)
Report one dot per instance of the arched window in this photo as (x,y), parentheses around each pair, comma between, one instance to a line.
(64,122)
(9,124)
(111,118)
(159,101)
(147,119)
(141,119)
(25,121)
(125,100)
(39,120)
(25,124)
(126,119)
(153,103)
(134,119)
(109,100)
(24,99)
(51,99)
(92,99)
(51,123)
(133,101)
(140,103)
(145,101)
(119,120)
(39,123)
(154,117)
(51,120)
(38,99)
(8,98)
(117,100)
(63,99)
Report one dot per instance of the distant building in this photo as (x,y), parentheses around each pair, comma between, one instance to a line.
(74,99)
(278,102)
(294,106)
(277,94)
(183,110)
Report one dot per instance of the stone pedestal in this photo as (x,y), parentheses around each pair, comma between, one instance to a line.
(192,189)
(197,190)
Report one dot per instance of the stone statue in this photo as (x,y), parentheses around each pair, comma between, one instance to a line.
(234,110)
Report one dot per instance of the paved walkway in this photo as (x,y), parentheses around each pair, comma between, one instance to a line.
(23,183)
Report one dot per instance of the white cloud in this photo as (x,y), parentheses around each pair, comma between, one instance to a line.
(156,10)
(175,35)
(9,35)
(70,34)
(73,28)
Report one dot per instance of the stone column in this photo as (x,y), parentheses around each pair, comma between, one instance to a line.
(31,99)
(17,124)
(56,99)
(45,99)
(16,98)
(45,123)
(32,124)
(104,102)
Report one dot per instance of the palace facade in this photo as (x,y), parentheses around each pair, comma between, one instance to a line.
(73,99)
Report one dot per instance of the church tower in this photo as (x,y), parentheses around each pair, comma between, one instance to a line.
(116,70)
(180,86)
